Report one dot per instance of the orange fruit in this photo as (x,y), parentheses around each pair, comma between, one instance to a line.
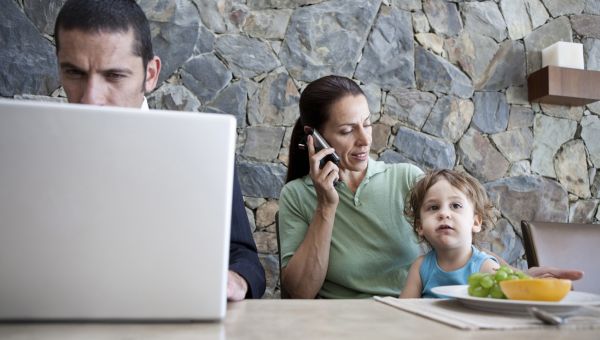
(536,289)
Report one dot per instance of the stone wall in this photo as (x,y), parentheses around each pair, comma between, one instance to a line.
(445,80)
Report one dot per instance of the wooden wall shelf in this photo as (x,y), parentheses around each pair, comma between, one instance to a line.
(564,86)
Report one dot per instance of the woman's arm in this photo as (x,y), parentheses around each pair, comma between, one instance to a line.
(305,272)
(414,286)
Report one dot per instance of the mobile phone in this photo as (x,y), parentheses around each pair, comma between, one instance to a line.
(320,144)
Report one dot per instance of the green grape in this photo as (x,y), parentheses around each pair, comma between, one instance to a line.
(487,284)
(487,281)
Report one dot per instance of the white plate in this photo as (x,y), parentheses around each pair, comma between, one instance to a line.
(570,303)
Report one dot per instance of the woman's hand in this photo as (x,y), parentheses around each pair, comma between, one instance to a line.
(324,178)
(558,273)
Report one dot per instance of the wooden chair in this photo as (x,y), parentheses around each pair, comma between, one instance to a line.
(565,245)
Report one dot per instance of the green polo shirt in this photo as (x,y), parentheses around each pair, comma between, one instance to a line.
(372,244)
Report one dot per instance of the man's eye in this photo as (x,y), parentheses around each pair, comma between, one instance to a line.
(73,73)
(115,76)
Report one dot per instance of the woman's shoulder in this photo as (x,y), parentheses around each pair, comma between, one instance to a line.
(407,170)
(296,187)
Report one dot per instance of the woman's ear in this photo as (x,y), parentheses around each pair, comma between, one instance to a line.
(477,221)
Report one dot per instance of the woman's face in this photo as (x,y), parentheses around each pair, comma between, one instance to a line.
(348,131)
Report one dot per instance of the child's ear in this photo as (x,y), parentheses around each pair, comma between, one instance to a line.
(477,221)
(419,228)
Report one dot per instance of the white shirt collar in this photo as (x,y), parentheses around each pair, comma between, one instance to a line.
(145,105)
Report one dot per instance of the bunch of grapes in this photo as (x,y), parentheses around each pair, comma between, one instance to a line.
(487,284)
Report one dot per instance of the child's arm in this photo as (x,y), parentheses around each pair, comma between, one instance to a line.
(413,287)
(489,266)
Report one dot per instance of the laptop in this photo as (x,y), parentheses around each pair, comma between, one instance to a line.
(113,214)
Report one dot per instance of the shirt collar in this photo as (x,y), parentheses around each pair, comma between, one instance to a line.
(145,105)
(373,168)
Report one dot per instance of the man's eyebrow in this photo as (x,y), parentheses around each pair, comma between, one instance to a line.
(125,70)
(69,65)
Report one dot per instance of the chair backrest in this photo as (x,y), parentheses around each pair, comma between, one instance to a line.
(284,294)
(565,245)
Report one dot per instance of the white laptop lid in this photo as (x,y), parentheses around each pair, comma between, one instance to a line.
(113,213)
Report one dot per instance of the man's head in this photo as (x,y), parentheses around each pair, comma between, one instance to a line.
(104,52)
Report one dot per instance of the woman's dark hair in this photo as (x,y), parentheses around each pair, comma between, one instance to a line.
(315,102)
(110,16)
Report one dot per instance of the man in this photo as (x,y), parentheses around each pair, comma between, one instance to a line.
(105,57)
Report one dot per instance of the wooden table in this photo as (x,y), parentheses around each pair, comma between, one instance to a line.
(288,319)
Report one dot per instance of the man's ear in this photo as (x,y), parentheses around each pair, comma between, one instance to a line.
(152,72)
(477,221)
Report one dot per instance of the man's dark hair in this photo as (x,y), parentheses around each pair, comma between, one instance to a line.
(109,16)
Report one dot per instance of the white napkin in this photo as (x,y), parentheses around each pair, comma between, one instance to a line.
(453,313)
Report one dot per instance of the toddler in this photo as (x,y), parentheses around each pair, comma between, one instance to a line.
(447,208)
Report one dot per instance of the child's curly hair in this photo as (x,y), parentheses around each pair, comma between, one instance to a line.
(464,182)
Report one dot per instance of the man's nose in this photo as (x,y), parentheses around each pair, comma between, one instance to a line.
(93,92)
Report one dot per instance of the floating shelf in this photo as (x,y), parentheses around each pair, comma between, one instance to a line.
(564,86)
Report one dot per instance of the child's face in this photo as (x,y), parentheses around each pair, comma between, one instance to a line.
(448,219)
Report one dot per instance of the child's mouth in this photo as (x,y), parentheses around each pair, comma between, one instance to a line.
(445,227)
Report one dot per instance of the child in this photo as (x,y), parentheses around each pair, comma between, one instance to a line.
(446,208)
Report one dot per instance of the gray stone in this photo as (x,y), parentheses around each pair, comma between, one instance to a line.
(263,142)
(590,130)
(507,68)
(214,14)
(434,73)
(564,7)
(254,202)
(392,157)
(586,25)
(267,24)
(426,151)
(519,168)
(37,98)
(520,117)
(546,35)
(516,17)
(29,61)
(595,187)
(449,118)
(491,112)
(247,57)
(594,107)
(561,111)
(503,241)
(409,106)
(205,75)
(420,22)
(271,265)
(484,18)
(591,51)
(592,7)
(431,41)
(206,41)
(380,136)
(409,5)
(392,35)
(250,216)
(570,164)
(276,101)
(529,198)
(517,95)
(474,53)
(265,4)
(480,158)
(232,100)
(443,17)
(265,214)
(583,211)
(537,12)
(261,179)
(373,94)
(173,97)
(174,29)
(548,135)
(266,242)
(514,144)
(327,38)
(43,13)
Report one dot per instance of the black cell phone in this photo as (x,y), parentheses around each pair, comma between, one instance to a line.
(320,144)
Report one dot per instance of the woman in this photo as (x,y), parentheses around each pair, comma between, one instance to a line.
(350,240)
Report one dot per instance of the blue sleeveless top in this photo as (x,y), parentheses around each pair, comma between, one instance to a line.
(433,276)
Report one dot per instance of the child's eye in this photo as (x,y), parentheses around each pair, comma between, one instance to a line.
(456,205)
(432,207)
